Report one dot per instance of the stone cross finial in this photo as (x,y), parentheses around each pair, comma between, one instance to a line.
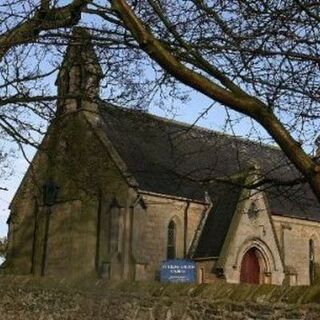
(80,73)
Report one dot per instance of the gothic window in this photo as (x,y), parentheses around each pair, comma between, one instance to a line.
(171,240)
(311,261)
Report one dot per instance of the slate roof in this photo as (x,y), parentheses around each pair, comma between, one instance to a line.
(170,158)
(218,221)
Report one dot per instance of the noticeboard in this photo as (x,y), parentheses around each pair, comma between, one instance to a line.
(178,271)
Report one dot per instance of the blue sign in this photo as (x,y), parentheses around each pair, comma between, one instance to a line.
(178,271)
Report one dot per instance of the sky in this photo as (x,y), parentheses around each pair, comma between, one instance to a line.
(19,165)
(189,113)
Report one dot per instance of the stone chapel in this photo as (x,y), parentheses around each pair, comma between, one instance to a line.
(112,192)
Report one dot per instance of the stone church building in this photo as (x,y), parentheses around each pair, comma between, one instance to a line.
(112,192)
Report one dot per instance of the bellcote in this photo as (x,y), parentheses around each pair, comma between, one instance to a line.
(80,74)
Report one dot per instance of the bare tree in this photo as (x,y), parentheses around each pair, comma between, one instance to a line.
(31,19)
(236,24)
(26,104)
(257,58)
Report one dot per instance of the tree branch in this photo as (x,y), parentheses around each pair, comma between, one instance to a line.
(248,105)
(43,19)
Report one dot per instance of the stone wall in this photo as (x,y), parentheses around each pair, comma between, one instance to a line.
(251,227)
(26,298)
(160,211)
(75,154)
(294,236)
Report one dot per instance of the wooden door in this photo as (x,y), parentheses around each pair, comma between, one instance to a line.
(250,268)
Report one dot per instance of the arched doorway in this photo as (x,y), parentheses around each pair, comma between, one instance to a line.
(250,267)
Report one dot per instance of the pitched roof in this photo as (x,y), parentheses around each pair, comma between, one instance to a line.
(218,221)
(170,158)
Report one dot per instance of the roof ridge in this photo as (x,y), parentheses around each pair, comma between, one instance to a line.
(192,126)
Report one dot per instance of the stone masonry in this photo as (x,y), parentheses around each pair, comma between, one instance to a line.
(35,299)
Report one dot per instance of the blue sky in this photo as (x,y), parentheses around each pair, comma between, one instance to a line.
(190,112)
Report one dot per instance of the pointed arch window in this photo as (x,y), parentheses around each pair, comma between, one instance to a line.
(311,261)
(171,240)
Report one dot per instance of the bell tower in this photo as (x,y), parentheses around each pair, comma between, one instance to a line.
(80,74)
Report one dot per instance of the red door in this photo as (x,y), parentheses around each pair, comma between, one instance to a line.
(250,268)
